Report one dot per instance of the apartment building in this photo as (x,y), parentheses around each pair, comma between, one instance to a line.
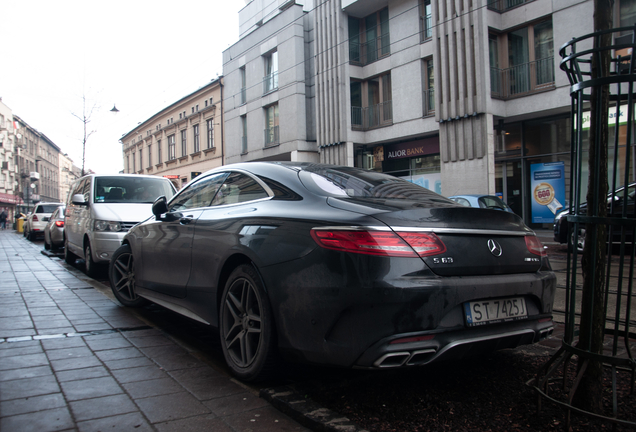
(180,141)
(68,174)
(9,177)
(270,92)
(458,96)
(37,163)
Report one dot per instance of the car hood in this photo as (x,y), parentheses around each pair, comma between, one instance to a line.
(122,212)
(466,232)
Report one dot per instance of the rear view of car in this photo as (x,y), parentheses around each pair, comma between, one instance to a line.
(337,266)
(54,230)
(38,218)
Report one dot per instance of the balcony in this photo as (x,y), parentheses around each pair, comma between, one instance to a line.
(364,53)
(271,136)
(270,82)
(521,80)
(372,117)
(428,99)
(504,5)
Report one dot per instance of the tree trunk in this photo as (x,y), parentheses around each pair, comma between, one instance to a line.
(589,393)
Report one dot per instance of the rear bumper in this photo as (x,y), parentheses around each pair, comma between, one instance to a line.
(453,345)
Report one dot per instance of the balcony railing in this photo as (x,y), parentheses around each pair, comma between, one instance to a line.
(270,82)
(428,97)
(370,51)
(271,136)
(372,117)
(522,79)
(504,5)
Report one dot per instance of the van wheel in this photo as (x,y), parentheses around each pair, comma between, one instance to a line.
(69,256)
(89,265)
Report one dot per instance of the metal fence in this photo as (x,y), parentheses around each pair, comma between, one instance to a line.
(522,79)
(611,300)
(364,118)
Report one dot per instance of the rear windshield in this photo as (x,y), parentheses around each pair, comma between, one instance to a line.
(50,208)
(131,189)
(357,183)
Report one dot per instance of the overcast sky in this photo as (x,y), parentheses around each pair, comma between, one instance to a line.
(140,55)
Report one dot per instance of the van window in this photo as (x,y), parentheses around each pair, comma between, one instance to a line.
(129,190)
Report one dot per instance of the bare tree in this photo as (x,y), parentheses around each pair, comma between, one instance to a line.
(85,118)
(591,332)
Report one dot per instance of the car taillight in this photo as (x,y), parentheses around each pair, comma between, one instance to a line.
(383,243)
(35,218)
(535,246)
(59,223)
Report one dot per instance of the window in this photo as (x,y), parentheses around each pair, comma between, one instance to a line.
(159,160)
(141,160)
(195,132)
(428,95)
(371,104)
(210,125)
(244,134)
(369,37)
(184,143)
(271,123)
(243,85)
(133,164)
(149,155)
(270,82)
(239,188)
(426,20)
(530,61)
(199,193)
(171,148)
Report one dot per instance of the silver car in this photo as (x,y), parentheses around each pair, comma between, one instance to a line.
(54,230)
(37,219)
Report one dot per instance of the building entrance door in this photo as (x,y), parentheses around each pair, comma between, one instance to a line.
(508,183)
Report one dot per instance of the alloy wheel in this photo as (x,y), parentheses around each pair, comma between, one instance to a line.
(242,326)
(123,276)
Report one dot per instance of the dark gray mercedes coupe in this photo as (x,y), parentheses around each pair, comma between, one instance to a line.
(337,266)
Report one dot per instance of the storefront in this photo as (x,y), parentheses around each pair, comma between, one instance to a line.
(532,162)
(9,203)
(416,161)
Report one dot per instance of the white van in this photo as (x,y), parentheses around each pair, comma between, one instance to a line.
(100,209)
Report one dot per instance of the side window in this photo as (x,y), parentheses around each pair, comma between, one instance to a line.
(86,190)
(239,188)
(462,201)
(198,194)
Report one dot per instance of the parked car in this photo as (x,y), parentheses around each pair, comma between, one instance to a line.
(337,266)
(102,208)
(562,227)
(37,219)
(481,201)
(54,230)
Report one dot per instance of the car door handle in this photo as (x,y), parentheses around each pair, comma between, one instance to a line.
(185,220)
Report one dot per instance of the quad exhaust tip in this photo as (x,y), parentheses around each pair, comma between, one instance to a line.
(404,358)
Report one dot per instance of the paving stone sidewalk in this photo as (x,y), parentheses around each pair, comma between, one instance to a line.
(73,359)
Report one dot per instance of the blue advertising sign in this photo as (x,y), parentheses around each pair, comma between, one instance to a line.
(548,190)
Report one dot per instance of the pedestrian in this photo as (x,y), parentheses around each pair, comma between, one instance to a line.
(3,219)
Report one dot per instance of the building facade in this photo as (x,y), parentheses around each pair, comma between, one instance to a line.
(9,176)
(37,163)
(458,96)
(68,174)
(180,141)
(270,91)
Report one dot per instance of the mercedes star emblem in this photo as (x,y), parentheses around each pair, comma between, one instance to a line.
(494,248)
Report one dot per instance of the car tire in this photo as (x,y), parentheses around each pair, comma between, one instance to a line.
(246,326)
(121,273)
(69,256)
(47,245)
(580,243)
(90,266)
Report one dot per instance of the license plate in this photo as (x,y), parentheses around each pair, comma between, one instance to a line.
(495,310)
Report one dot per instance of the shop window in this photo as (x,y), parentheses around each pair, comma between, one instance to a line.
(547,137)
(369,37)
(529,64)
(627,13)
(371,103)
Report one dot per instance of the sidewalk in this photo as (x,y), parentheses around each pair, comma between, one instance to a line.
(73,359)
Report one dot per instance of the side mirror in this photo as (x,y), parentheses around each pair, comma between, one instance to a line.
(160,206)
(79,199)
